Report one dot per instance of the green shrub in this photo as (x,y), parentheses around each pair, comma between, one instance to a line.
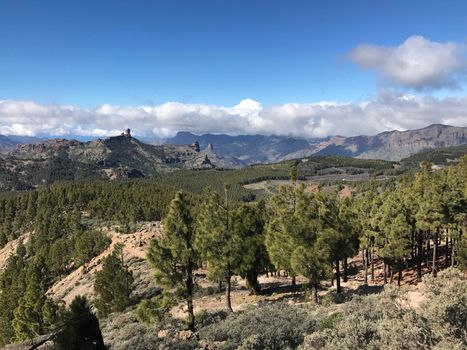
(274,326)
(156,309)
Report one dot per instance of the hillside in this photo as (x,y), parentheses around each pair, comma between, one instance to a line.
(56,242)
(119,157)
(395,145)
(438,156)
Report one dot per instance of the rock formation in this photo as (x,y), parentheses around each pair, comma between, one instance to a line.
(195,146)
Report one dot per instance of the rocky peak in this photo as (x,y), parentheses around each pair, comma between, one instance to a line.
(127,133)
(207,163)
(195,146)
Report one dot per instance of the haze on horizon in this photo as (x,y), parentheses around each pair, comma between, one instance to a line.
(305,69)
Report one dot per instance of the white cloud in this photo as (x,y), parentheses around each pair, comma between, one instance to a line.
(387,111)
(417,63)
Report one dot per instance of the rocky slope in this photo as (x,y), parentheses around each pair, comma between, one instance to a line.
(135,246)
(119,157)
(390,145)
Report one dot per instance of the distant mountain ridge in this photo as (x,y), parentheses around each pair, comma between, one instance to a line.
(6,143)
(394,145)
(11,141)
(122,157)
(248,149)
(37,161)
(389,145)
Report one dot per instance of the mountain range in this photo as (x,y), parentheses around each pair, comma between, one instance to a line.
(29,165)
(390,145)
(248,149)
(119,157)
(11,141)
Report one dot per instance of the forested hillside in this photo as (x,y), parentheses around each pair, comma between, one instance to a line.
(388,232)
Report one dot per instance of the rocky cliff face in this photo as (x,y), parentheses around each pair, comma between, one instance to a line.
(395,145)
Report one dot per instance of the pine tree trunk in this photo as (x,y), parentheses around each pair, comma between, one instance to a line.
(315,293)
(338,277)
(427,251)
(399,275)
(419,256)
(219,286)
(345,269)
(453,252)
(385,275)
(372,265)
(294,281)
(435,245)
(391,273)
(365,264)
(189,290)
(252,282)
(447,249)
(227,292)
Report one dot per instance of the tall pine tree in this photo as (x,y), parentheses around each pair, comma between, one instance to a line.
(174,256)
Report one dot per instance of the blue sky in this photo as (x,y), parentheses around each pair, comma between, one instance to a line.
(133,53)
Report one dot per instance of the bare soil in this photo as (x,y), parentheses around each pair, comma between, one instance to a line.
(135,245)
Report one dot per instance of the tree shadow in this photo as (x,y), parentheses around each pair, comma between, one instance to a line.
(367,290)
(277,288)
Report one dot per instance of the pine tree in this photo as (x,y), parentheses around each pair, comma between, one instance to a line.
(28,319)
(339,231)
(367,234)
(80,328)
(310,256)
(174,256)
(395,241)
(282,230)
(216,241)
(293,173)
(12,288)
(462,253)
(429,217)
(312,262)
(113,284)
(248,232)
